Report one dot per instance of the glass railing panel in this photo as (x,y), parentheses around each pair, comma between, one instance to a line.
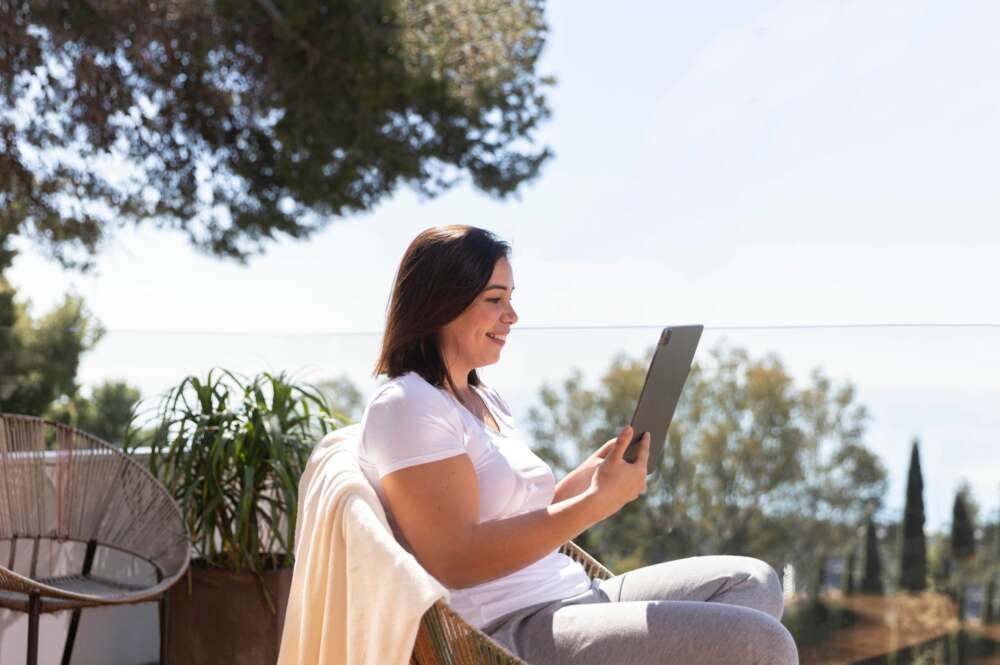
(791,444)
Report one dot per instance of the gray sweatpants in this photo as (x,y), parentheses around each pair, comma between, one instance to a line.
(698,611)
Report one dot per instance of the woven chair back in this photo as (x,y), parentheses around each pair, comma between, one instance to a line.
(57,482)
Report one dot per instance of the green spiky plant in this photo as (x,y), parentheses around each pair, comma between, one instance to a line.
(231,450)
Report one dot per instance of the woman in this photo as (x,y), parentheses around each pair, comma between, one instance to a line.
(485,516)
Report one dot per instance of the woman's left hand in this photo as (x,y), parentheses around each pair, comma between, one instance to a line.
(578,479)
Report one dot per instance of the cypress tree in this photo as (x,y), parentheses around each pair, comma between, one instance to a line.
(963,546)
(913,568)
(963,540)
(872,580)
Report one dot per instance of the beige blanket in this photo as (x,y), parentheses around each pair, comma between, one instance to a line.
(357,596)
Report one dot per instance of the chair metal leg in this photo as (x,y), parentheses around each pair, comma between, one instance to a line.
(164,612)
(34,610)
(74,622)
(70,638)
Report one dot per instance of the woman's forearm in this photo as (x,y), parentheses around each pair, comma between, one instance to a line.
(572,484)
(578,480)
(492,549)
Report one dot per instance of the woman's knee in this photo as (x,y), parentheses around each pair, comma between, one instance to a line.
(737,636)
(774,644)
(766,585)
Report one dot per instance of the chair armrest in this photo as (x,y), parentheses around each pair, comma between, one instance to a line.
(444,638)
(595,569)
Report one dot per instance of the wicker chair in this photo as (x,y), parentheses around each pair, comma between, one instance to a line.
(58,484)
(444,638)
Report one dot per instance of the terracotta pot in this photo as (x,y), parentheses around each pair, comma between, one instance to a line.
(225,619)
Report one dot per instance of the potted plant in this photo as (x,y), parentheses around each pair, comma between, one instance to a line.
(231,450)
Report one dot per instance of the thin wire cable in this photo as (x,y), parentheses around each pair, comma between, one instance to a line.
(582,327)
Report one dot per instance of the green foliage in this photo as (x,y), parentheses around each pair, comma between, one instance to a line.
(913,566)
(40,356)
(106,412)
(39,360)
(231,450)
(752,465)
(939,561)
(239,122)
(344,397)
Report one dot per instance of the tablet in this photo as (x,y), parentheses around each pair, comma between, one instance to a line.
(662,390)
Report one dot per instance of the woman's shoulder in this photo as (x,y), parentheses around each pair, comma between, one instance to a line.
(409,392)
(408,421)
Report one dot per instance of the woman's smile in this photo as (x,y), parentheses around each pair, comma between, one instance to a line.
(491,315)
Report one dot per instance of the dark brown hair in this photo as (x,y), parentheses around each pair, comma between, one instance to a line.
(442,272)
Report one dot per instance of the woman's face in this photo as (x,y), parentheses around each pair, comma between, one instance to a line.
(475,338)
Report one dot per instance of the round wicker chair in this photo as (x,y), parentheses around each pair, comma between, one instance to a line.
(61,485)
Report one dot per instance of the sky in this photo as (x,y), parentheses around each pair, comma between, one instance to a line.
(745,165)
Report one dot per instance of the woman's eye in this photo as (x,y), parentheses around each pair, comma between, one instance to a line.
(492,300)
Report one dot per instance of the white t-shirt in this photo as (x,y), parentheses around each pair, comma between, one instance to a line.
(410,422)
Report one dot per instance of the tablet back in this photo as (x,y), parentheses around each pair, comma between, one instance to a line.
(662,390)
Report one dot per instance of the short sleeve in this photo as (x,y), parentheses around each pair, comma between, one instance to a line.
(407,424)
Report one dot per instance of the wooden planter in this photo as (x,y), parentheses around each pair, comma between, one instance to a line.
(222,618)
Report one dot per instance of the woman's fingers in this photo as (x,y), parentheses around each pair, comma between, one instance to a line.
(642,458)
(621,444)
(617,482)
(603,451)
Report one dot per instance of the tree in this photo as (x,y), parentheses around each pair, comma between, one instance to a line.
(913,567)
(963,540)
(105,412)
(40,356)
(819,577)
(238,122)
(344,397)
(871,582)
(939,561)
(752,464)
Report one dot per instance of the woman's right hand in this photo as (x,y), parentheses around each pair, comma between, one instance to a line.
(616,482)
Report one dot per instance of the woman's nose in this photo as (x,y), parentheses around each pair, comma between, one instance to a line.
(511,315)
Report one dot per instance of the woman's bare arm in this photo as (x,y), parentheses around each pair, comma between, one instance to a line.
(578,480)
(436,506)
